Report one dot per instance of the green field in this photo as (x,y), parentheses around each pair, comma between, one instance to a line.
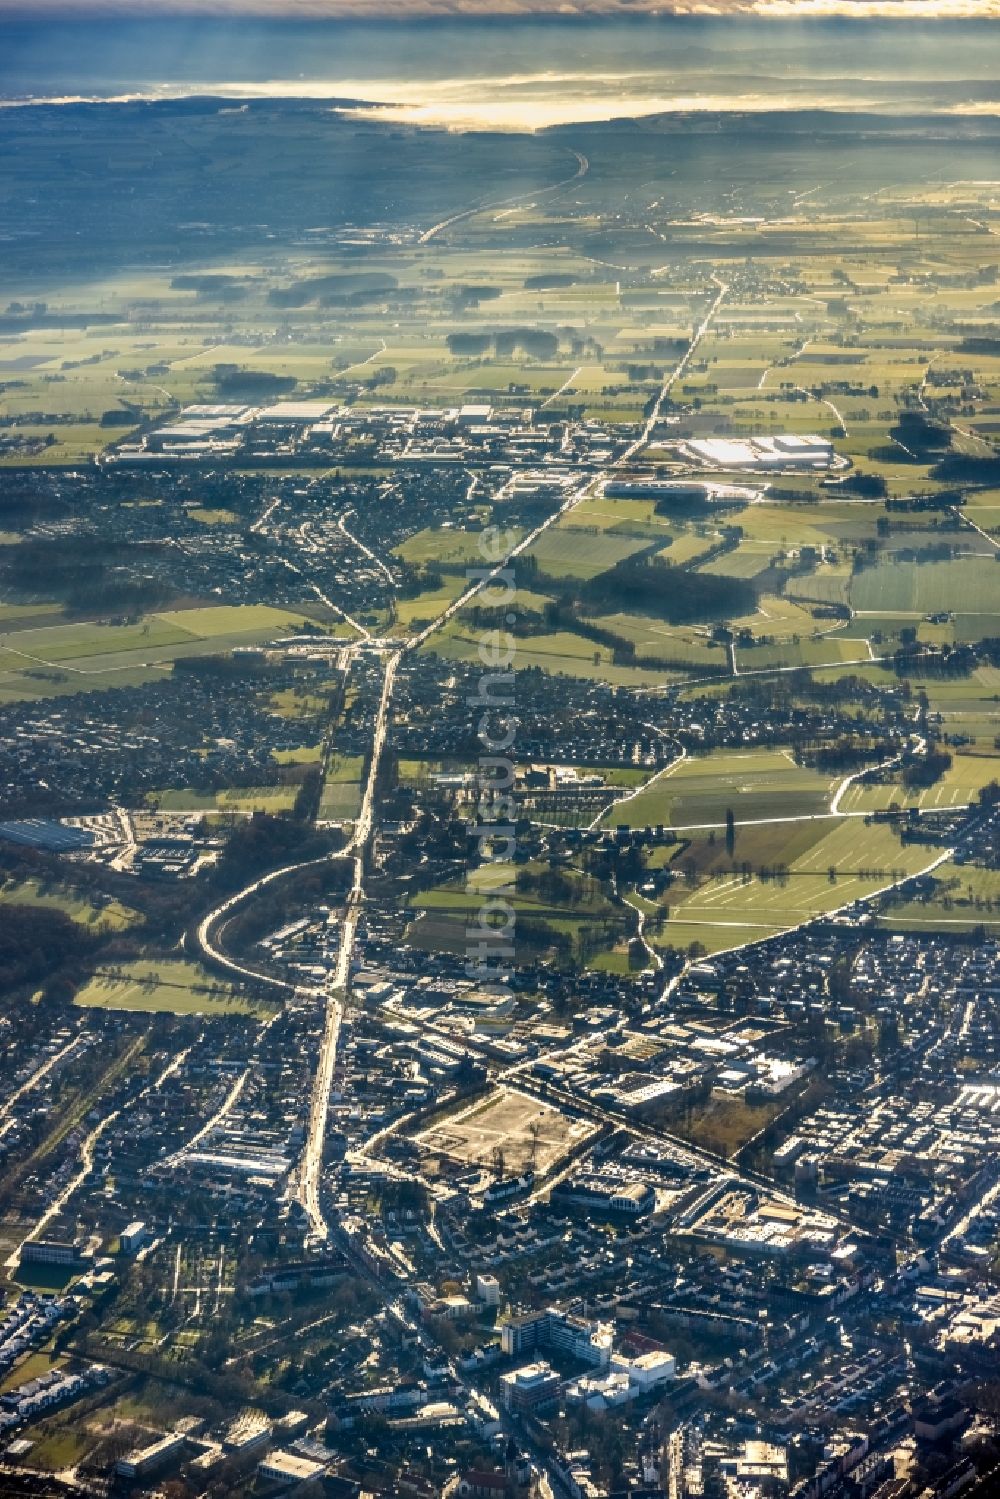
(415,612)
(305,754)
(240,799)
(959,785)
(446,915)
(109,915)
(571,551)
(851,860)
(970,584)
(213,517)
(821,651)
(29,1368)
(297,702)
(755,784)
(561,652)
(40,661)
(681,645)
(449,544)
(163,985)
(341,797)
(962,897)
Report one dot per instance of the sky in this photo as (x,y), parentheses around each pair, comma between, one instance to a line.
(951,10)
(511,64)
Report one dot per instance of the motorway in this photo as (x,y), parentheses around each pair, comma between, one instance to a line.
(582,168)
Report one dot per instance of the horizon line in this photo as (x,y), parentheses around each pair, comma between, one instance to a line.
(936,12)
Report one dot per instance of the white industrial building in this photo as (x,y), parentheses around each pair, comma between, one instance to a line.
(787,450)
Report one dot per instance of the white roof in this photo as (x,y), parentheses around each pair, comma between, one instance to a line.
(296,411)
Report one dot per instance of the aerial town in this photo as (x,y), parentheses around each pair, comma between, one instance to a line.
(500,809)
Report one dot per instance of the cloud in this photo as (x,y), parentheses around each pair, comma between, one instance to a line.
(379,10)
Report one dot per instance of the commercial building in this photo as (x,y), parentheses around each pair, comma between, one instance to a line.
(294,414)
(590,1342)
(288,1467)
(658,489)
(248,1430)
(789,450)
(133,1237)
(530,1387)
(52,1252)
(605,1195)
(53,837)
(646,1370)
(146,1459)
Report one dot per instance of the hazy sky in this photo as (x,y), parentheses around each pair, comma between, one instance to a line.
(378,9)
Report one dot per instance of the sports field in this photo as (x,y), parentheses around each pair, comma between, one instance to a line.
(341,796)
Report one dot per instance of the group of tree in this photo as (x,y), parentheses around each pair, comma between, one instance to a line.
(39,942)
(91,575)
(236,383)
(926,769)
(262,842)
(504,343)
(645,585)
(344,288)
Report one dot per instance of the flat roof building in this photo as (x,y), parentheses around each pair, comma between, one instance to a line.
(144,1459)
(52,1252)
(288,1467)
(531,1386)
(784,450)
(133,1237)
(294,413)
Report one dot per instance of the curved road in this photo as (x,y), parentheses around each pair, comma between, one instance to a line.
(582,168)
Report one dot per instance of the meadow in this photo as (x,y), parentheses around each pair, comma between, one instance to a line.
(960,785)
(850,860)
(97,914)
(46,660)
(161,985)
(756,785)
(240,800)
(961,898)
